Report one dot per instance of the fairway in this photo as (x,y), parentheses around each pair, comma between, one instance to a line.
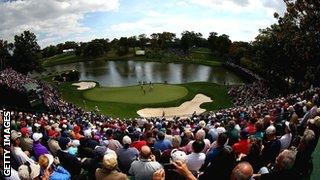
(134,95)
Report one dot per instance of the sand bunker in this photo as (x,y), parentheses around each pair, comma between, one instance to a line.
(84,85)
(185,109)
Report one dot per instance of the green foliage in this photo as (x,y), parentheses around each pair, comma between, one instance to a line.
(219,45)
(5,56)
(49,51)
(26,53)
(290,49)
(190,39)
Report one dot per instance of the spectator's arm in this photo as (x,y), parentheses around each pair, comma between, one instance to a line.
(182,168)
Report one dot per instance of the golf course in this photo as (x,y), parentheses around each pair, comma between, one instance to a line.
(124,102)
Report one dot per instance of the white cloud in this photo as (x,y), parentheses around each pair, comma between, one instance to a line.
(244,29)
(50,17)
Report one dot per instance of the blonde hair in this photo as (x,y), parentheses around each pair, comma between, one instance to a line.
(43,161)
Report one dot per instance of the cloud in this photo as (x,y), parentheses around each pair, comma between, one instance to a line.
(237,29)
(50,17)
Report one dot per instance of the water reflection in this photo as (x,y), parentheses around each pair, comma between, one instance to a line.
(125,73)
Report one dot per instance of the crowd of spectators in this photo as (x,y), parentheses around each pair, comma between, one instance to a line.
(271,139)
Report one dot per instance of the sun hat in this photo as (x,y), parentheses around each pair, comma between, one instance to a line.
(37,136)
(26,172)
(50,158)
(177,155)
(110,161)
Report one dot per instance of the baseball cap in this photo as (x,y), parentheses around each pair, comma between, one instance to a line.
(24,131)
(15,135)
(110,161)
(271,130)
(126,140)
(36,136)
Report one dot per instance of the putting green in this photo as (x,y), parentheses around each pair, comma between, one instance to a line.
(134,94)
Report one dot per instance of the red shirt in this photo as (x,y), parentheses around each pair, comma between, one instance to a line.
(138,144)
(241,147)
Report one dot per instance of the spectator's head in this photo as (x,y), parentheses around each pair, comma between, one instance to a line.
(126,141)
(110,161)
(145,152)
(45,161)
(37,136)
(201,134)
(285,160)
(24,132)
(198,146)
(271,132)
(244,134)
(161,135)
(29,171)
(177,155)
(243,171)
(15,138)
(255,147)
(222,139)
(64,143)
(176,141)
(306,140)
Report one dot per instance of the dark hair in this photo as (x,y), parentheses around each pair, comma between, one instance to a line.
(222,139)
(161,136)
(198,146)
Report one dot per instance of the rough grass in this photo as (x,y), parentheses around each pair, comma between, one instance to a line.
(217,93)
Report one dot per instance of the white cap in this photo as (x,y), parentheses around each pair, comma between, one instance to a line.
(126,140)
(177,155)
(37,136)
(271,130)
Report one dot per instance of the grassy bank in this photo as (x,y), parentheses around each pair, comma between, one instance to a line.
(198,56)
(217,93)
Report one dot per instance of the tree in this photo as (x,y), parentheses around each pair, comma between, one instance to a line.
(94,48)
(49,51)
(26,52)
(289,51)
(212,42)
(190,39)
(142,40)
(5,55)
(123,46)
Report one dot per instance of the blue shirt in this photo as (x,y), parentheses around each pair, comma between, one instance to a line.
(162,145)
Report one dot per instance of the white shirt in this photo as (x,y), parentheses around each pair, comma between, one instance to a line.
(285,141)
(20,156)
(195,161)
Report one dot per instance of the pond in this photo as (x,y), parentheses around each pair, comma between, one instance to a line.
(126,73)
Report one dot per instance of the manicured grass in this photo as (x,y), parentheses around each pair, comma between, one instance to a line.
(159,93)
(316,163)
(128,110)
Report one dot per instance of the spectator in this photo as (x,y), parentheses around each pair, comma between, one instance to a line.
(109,169)
(50,171)
(162,144)
(243,145)
(25,140)
(144,168)
(38,148)
(126,155)
(243,171)
(196,159)
(20,156)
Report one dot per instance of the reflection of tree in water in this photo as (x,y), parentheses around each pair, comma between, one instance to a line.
(125,68)
(160,72)
(96,68)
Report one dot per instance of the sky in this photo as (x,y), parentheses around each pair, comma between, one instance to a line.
(56,21)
